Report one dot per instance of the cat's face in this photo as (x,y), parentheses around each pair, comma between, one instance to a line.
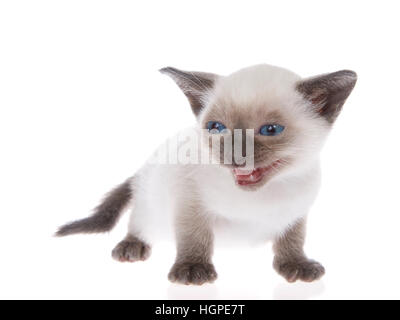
(289,117)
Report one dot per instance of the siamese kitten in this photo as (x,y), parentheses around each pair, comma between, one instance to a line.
(195,203)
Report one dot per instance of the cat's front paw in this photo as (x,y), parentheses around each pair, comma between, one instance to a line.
(192,273)
(131,250)
(305,269)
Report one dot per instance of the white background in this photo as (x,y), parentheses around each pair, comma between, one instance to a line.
(83,105)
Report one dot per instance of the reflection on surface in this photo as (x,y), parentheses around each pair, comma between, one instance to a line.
(182,292)
(283,291)
(298,290)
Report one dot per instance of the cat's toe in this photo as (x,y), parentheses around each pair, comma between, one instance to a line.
(304,270)
(131,250)
(192,273)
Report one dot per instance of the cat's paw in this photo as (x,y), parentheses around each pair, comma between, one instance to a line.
(192,273)
(131,250)
(304,270)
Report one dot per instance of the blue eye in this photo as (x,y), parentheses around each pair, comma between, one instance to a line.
(215,127)
(271,129)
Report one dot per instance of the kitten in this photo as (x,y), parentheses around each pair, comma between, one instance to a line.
(195,203)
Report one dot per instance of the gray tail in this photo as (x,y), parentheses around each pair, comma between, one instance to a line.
(105,216)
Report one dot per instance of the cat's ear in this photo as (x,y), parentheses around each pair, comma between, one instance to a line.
(328,92)
(195,85)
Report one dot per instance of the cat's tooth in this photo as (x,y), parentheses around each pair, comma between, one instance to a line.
(243,172)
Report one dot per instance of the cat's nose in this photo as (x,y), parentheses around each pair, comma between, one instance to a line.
(238,165)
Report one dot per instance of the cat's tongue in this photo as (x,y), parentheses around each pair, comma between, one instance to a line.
(246,177)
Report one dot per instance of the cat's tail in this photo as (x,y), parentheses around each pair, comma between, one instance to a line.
(105,216)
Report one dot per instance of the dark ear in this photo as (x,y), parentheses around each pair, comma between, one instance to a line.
(328,92)
(195,85)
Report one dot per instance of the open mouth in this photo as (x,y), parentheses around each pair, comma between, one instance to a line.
(245,177)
